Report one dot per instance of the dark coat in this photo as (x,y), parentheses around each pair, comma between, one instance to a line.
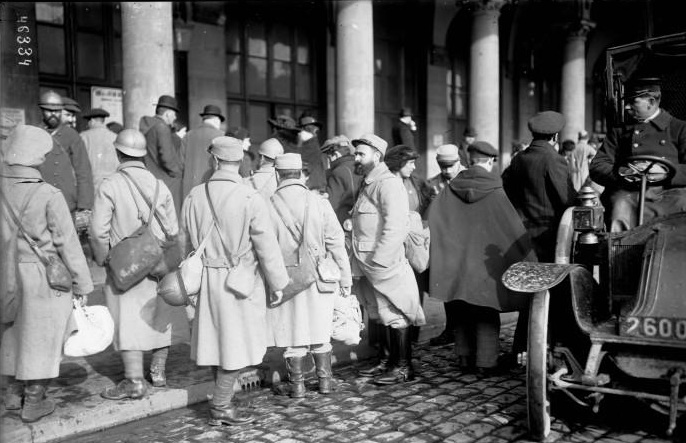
(198,162)
(342,185)
(312,155)
(539,185)
(68,168)
(162,159)
(476,235)
(402,134)
(424,194)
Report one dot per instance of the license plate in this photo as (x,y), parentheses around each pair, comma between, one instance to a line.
(654,327)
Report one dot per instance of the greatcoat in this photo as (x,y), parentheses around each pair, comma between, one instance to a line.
(307,318)
(198,162)
(380,225)
(142,320)
(32,348)
(162,159)
(229,331)
(99,143)
(263,181)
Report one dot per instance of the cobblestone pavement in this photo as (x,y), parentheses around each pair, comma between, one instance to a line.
(442,405)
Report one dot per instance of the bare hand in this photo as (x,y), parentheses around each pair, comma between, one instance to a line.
(276,297)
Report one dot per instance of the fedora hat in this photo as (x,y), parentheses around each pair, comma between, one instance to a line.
(284,122)
(167,101)
(212,110)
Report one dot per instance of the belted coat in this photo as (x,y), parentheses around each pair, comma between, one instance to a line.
(263,181)
(143,321)
(32,348)
(230,331)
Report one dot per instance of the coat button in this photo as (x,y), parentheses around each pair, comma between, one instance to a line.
(663,142)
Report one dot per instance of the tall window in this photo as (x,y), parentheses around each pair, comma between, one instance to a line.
(457,100)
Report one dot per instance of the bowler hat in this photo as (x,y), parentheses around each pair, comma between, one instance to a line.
(71,105)
(405,112)
(226,148)
(26,145)
(212,110)
(305,120)
(641,86)
(94,113)
(447,154)
(334,142)
(482,149)
(167,101)
(284,122)
(289,161)
(470,132)
(372,140)
(547,123)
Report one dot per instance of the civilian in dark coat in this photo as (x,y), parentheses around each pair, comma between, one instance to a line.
(342,184)
(198,162)
(480,236)
(404,128)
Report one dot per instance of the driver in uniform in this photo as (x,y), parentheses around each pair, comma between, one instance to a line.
(650,131)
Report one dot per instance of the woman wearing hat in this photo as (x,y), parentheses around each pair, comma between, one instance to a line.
(39,315)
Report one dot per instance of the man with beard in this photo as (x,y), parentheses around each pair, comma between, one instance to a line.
(386,283)
(67,166)
(71,108)
(341,181)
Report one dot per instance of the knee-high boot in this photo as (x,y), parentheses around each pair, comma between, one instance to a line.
(221,410)
(384,354)
(158,365)
(296,376)
(322,363)
(402,344)
(36,406)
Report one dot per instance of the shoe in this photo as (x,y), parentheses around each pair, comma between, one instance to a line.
(379,369)
(296,377)
(36,406)
(445,338)
(401,346)
(158,377)
(322,364)
(229,416)
(13,396)
(126,388)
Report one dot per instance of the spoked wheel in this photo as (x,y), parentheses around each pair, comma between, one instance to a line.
(538,406)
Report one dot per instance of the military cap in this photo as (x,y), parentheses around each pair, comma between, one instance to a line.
(334,142)
(167,101)
(95,113)
(51,100)
(284,122)
(271,148)
(71,105)
(447,154)
(470,132)
(227,148)
(482,149)
(372,140)
(212,110)
(26,145)
(547,122)
(641,86)
(289,161)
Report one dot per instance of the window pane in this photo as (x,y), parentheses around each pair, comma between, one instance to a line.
(233,37)
(281,43)
(257,123)
(117,65)
(460,104)
(257,76)
(233,74)
(89,16)
(234,113)
(303,85)
(303,47)
(281,80)
(286,110)
(116,19)
(257,43)
(449,87)
(50,12)
(91,51)
(51,58)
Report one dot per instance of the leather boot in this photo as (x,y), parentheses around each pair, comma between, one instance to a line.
(229,415)
(296,376)
(322,363)
(400,340)
(157,367)
(221,410)
(13,394)
(36,406)
(384,355)
(127,388)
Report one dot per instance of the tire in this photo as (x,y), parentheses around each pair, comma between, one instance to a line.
(538,405)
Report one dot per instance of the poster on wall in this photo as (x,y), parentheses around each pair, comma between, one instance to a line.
(109,99)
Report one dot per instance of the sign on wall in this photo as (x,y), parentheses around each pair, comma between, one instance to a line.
(109,99)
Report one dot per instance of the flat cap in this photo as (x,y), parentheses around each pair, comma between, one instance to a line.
(641,86)
(226,148)
(334,142)
(447,154)
(482,149)
(26,146)
(547,122)
(94,113)
(372,140)
(271,148)
(71,105)
(289,161)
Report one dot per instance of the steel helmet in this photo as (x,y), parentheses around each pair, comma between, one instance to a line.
(131,142)
(172,289)
(270,148)
(50,100)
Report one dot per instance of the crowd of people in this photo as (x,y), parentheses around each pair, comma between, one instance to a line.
(339,212)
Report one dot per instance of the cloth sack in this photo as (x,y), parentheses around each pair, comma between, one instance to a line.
(347,320)
(95,331)
(417,243)
(329,274)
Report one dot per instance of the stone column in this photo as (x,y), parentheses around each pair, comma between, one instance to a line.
(573,94)
(355,68)
(148,57)
(484,74)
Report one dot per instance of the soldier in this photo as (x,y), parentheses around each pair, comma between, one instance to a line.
(651,131)
(264,179)
(99,142)
(241,262)
(71,108)
(66,166)
(142,321)
(342,183)
(404,129)
(448,159)
(310,151)
(250,158)
(386,284)
(32,347)
(303,323)
(198,164)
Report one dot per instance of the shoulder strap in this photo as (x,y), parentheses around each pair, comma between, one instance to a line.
(238,252)
(287,218)
(32,243)
(153,205)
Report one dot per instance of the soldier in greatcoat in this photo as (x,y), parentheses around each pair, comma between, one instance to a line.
(230,329)
(143,322)
(386,285)
(264,179)
(304,322)
(39,315)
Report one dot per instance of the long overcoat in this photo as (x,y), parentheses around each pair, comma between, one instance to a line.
(479,235)
(197,166)
(143,321)
(99,143)
(380,225)
(307,318)
(162,159)
(33,348)
(263,181)
(229,331)
(342,185)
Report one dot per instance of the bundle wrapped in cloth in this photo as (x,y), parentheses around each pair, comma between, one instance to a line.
(347,320)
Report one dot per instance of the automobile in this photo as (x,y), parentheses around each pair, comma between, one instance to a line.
(609,316)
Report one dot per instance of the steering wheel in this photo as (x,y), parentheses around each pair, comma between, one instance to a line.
(656,170)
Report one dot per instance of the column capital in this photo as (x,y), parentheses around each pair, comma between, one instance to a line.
(580,29)
(483,5)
